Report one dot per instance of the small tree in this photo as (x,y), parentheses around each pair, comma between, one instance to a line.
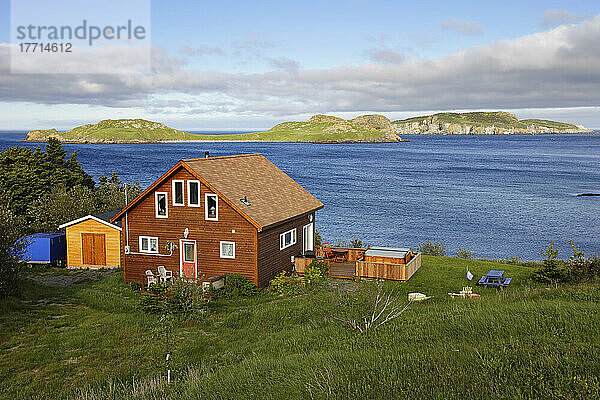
(464,253)
(318,238)
(11,248)
(552,270)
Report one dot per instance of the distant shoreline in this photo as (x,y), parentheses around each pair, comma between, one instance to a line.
(217,141)
(298,141)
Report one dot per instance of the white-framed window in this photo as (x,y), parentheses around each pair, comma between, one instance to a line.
(148,244)
(161,205)
(287,239)
(178,195)
(211,207)
(193,193)
(227,249)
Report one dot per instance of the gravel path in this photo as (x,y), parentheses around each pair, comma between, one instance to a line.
(70,277)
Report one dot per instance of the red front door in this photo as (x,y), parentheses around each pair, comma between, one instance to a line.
(188,263)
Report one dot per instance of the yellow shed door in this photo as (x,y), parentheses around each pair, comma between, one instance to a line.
(93,248)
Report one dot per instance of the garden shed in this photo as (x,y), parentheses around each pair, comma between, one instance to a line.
(93,242)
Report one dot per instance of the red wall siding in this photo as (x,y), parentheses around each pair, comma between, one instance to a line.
(143,222)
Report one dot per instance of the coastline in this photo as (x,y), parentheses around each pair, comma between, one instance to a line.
(298,141)
(218,141)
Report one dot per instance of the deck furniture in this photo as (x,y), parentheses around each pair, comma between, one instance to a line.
(327,252)
(374,262)
(150,278)
(340,255)
(164,275)
(494,278)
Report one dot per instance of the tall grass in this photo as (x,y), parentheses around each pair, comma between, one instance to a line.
(527,341)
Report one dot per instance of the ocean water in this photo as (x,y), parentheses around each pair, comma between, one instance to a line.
(499,196)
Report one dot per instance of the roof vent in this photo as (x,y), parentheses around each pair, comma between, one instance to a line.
(245,201)
(206,154)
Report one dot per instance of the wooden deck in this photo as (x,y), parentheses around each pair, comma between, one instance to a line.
(342,270)
(364,269)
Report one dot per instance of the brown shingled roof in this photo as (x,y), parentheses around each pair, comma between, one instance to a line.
(273,196)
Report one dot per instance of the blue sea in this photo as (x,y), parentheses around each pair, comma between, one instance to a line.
(499,196)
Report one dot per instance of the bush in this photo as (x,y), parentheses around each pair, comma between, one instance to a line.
(11,249)
(462,253)
(188,300)
(184,300)
(288,285)
(553,270)
(135,286)
(582,268)
(432,249)
(356,243)
(318,238)
(237,285)
(316,272)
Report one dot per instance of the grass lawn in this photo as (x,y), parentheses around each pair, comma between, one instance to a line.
(90,340)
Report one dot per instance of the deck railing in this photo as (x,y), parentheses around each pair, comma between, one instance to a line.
(366,269)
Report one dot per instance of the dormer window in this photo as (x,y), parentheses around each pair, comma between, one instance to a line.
(178,193)
(160,200)
(193,193)
(211,207)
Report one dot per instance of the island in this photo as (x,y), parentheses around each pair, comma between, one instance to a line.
(481,123)
(318,129)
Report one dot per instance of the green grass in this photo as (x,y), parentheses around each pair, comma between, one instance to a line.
(498,119)
(319,129)
(527,341)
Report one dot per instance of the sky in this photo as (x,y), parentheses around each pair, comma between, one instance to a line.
(221,65)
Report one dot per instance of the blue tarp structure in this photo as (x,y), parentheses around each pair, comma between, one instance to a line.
(45,248)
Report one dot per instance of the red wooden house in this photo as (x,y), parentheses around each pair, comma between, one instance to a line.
(214,215)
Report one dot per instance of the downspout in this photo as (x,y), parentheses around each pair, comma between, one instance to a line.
(127,236)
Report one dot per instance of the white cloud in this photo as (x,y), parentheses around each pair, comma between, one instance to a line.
(552,69)
(462,27)
(552,18)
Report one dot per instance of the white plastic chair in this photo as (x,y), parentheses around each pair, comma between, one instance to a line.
(164,275)
(150,277)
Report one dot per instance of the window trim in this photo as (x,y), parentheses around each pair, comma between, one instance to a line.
(190,191)
(206,217)
(293,241)
(308,227)
(149,238)
(156,194)
(221,243)
(173,182)
(195,261)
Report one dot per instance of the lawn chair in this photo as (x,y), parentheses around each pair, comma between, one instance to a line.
(164,275)
(327,252)
(150,278)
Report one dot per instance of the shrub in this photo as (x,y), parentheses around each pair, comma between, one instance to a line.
(237,285)
(356,243)
(553,270)
(582,268)
(288,285)
(318,238)
(432,249)
(135,286)
(188,300)
(184,300)
(316,272)
(463,253)
(11,249)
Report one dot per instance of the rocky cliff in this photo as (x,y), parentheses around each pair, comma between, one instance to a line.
(481,123)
